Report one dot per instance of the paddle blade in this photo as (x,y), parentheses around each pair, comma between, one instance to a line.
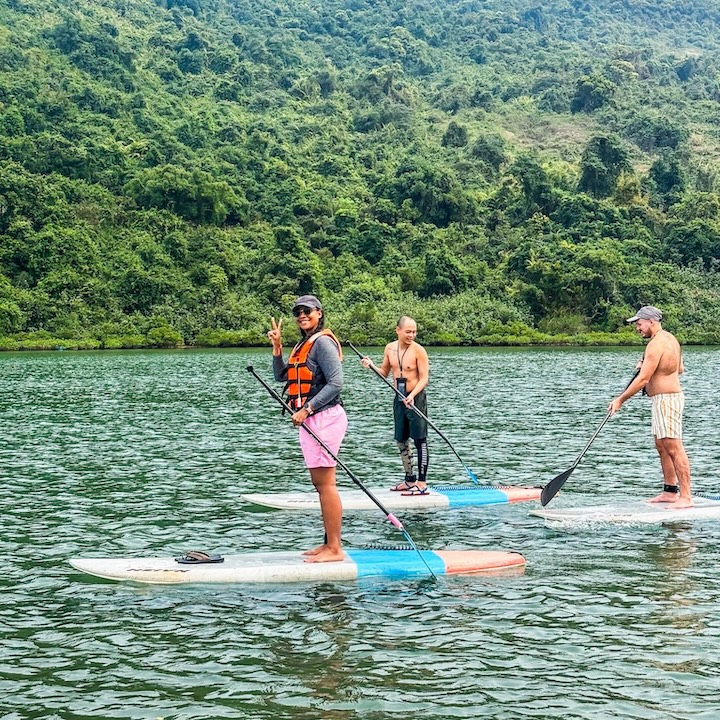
(472,475)
(553,487)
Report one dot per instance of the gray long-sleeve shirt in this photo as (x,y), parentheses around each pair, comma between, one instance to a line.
(324,355)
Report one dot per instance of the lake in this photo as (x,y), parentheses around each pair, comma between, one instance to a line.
(146,453)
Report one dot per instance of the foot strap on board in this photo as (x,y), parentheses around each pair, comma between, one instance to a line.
(194,557)
(671,488)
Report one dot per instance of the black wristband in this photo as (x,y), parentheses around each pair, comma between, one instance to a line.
(671,488)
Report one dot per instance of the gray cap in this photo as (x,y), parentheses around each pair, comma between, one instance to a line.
(647,312)
(308,301)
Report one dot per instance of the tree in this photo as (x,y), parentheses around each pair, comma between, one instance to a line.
(694,241)
(455,135)
(591,93)
(490,149)
(603,160)
(653,132)
(192,194)
(667,177)
(12,123)
(527,190)
(435,193)
(12,318)
(444,274)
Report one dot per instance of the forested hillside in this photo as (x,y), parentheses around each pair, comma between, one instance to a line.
(176,171)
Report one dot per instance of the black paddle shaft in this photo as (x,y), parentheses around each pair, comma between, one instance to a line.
(553,487)
(420,413)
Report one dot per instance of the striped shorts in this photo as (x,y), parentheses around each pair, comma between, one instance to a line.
(667,412)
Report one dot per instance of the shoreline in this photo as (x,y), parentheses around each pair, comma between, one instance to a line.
(580,340)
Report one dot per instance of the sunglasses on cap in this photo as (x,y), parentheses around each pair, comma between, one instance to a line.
(302,310)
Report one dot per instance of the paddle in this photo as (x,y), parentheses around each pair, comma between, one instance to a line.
(470,473)
(390,517)
(553,487)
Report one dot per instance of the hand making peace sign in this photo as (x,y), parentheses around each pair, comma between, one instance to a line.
(275,334)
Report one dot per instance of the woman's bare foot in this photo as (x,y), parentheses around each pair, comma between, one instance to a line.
(316,550)
(326,555)
(664,497)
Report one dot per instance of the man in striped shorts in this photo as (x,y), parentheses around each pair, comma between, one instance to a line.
(659,375)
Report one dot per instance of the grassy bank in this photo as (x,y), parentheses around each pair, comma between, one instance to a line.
(514,336)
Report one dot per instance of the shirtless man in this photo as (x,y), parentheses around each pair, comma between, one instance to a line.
(410,369)
(659,376)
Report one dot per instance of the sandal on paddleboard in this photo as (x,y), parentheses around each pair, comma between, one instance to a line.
(195,557)
(407,484)
(402,487)
(415,490)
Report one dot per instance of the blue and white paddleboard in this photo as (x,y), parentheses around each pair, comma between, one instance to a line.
(282,567)
(631,512)
(438,497)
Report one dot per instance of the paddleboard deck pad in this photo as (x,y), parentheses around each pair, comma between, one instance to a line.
(631,512)
(283,567)
(439,497)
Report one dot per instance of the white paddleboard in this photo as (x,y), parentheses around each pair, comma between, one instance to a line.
(631,512)
(282,567)
(438,497)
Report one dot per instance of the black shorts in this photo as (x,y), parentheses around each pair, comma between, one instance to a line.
(408,424)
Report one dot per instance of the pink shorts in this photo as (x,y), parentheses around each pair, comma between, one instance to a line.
(330,425)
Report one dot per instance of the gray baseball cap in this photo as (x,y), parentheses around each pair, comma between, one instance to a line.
(647,312)
(308,301)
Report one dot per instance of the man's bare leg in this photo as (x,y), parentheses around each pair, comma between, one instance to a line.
(681,464)
(331,507)
(669,477)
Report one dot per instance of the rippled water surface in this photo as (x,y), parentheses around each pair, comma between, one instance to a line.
(146,453)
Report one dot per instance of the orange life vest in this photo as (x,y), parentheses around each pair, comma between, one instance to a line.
(302,383)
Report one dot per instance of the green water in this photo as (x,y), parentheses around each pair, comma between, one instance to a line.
(146,453)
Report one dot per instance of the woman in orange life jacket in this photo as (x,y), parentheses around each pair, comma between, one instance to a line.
(314,378)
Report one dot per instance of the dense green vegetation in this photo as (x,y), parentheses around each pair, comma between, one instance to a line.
(176,171)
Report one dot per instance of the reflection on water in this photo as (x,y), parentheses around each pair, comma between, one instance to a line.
(675,553)
(146,454)
(673,558)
